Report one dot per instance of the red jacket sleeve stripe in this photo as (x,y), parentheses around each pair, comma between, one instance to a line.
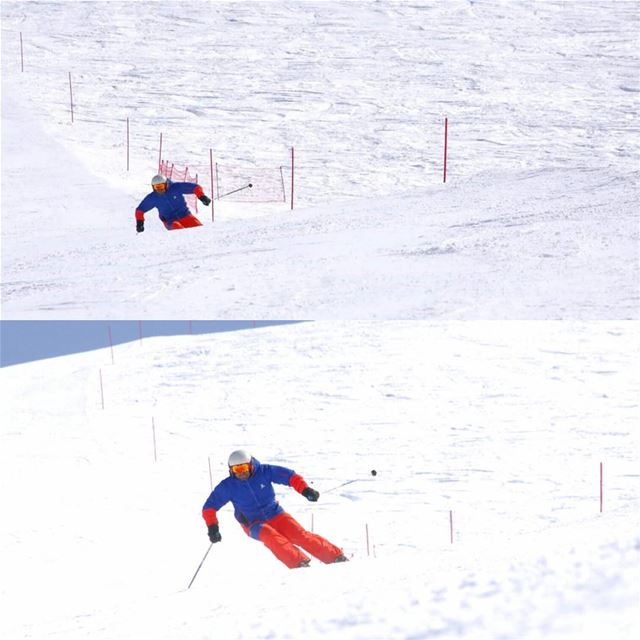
(210,516)
(298,483)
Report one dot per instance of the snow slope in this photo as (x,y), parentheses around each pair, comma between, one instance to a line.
(505,429)
(538,218)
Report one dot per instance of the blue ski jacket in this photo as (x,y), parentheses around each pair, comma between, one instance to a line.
(254,500)
(171,204)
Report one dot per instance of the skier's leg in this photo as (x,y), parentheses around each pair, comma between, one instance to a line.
(316,545)
(281,548)
(175,225)
(190,221)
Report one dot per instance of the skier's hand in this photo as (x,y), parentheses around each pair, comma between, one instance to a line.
(206,201)
(139,226)
(214,533)
(311,494)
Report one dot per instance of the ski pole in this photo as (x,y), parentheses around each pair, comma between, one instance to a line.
(201,563)
(373,473)
(246,186)
(341,485)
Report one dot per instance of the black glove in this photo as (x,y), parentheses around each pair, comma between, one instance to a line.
(205,200)
(311,494)
(139,226)
(214,533)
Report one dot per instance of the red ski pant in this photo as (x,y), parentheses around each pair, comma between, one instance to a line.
(183,223)
(283,535)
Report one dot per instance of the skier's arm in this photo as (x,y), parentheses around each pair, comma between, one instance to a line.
(210,516)
(282,475)
(196,189)
(301,486)
(199,193)
(215,501)
(139,221)
(298,483)
(141,209)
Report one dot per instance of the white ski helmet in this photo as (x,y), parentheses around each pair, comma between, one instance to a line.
(158,179)
(239,457)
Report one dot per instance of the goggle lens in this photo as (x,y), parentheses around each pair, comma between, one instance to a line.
(241,469)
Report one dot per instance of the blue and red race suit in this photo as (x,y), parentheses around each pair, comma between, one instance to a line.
(262,518)
(254,500)
(171,204)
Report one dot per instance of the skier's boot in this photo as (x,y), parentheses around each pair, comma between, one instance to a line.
(341,558)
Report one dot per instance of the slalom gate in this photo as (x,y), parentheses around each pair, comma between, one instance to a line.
(232,183)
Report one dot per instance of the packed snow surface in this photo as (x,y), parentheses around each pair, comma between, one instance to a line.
(538,217)
(505,431)
(483,520)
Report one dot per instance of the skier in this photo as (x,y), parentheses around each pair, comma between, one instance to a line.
(249,488)
(168,198)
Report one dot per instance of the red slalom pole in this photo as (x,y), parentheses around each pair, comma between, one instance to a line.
(292,178)
(127,144)
(153,428)
(71,96)
(111,344)
(213,198)
(446,136)
(196,181)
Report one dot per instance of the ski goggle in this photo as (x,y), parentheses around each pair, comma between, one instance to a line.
(240,469)
(161,186)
